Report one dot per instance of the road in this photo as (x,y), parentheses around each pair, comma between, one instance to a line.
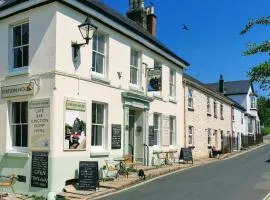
(245,177)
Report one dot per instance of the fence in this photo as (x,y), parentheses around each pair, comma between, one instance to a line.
(249,140)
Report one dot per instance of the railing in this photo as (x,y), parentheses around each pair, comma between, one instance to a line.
(146,154)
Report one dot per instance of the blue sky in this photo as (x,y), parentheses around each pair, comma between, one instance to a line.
(213,45)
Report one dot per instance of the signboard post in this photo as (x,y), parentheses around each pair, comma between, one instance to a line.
(88,175)
(116,136)
(39,124)
(39,169)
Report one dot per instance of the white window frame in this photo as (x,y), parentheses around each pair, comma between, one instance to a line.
(172,83)
(12,71)
(103,54)
(190,98)
(158,129)
(190,135)
(215,108)
(12,148)
(208,105)
(104,127)
(253,102)
(221,111)
(209,137)
(133,67)
(172,130)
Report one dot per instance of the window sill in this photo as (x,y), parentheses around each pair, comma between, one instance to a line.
(17,71)
(99,154)
(135,88)
(191,109)
(158,96)
(209,114)
(253,109)
(99,78)
(17,154)
(191,146)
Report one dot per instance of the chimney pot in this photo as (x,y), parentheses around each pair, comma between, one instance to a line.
(221,84)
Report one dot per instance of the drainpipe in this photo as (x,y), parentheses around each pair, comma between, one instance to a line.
(185,137)
(231,128)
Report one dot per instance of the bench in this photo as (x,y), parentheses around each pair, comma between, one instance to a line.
(7,182)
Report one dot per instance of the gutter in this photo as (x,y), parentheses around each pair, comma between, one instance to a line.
(185,125)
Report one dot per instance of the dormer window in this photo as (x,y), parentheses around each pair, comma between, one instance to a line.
(253,102)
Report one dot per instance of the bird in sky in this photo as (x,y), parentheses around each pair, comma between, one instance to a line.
(185,27)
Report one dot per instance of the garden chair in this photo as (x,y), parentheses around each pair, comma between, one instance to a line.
(161,156)
(111,170)
(129,162)
(7,182)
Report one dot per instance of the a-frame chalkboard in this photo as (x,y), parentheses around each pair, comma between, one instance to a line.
(186,155)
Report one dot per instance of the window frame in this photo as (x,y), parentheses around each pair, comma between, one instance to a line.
(221,107)
(191,135)
(215,108)
(190,98)
(159,129)
(104,126)
(172,136)
(12,71)
(133,67)
(208,105)
(11,148)
(209,137)
(104,54)
(253,102)
(172,83)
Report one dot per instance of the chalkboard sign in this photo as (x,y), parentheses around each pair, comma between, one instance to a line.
(186,154)
(116,136)
(39,169)
(88,175)
(151,136)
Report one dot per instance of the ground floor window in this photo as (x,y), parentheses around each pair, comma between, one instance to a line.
(172,129)
(19,124)
(157,128)
(98,124)
(190,135)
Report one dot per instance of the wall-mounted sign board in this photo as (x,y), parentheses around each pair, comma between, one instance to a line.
(116,136)
(39,169)
(17,90)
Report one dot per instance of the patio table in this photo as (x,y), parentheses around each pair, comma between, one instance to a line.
(122,169)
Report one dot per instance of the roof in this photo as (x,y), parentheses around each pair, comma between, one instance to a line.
(115,16)
(232,87)
(234,103)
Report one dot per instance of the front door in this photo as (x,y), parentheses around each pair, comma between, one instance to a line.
(131,135)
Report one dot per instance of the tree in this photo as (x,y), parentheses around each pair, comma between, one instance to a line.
(264,110)
(261,72)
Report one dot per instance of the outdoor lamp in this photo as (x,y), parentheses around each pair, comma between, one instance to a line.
(87,30)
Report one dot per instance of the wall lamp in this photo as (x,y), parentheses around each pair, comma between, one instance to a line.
(31,84)
(87,30)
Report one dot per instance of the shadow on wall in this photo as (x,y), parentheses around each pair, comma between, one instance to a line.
(12,163)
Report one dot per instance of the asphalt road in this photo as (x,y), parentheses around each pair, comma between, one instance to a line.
(246,177)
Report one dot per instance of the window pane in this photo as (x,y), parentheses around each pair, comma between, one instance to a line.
(17,58)
(25,55)
(100,114)
(96,139)
(24,112)
(93,137)
(17,135)
(133,76)
(24,135)
(99,135)
(156,122)
(99,63)
(101,43)
(17,36)
(94,61)
(25,34)
(16,112)
(94,117)
(95,42)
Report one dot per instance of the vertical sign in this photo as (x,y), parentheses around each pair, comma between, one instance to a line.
(75,126)
(88,175)
(39,124)
(154,79)
(39,169)
(116,136)
(166,130)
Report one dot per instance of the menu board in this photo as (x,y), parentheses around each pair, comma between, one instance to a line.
(151,136)
(88,175)
(186,154)
(39,169)
(116,136)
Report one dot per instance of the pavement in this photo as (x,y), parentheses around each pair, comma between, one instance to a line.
(156,177)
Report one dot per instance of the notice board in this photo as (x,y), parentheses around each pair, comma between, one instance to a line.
(186,154)
(39,169)
(116,136)
(88,175)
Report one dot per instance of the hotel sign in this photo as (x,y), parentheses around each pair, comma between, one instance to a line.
(17,90)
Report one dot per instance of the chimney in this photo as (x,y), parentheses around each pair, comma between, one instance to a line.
(221,84)
(137,12)
(151,20)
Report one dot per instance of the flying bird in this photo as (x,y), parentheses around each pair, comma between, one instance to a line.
(185,27)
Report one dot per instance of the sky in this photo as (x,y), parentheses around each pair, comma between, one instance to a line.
(212,45)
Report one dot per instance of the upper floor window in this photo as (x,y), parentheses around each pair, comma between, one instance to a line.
(134,67)
(157,64)
(209,136)
(19,124)
(98,124)
(172,130)
(221,111)
(190,135)
(20,46)
(253,102)
(99,54)
(242,118)
(208,105)
(215,108)
(190,98)
(172,83)
(232,114)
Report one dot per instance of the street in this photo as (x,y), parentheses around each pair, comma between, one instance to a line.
(245,177)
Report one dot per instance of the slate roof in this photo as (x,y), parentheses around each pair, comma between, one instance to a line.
(117,17)
(232,87)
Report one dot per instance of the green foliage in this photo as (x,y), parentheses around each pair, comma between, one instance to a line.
(266,130)
(261,72)
(35,197)
(264,111)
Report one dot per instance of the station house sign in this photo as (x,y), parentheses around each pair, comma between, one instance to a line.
(17,90)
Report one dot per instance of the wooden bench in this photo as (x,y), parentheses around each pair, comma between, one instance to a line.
(7,182)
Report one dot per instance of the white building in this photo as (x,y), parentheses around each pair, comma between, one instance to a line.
(65,102)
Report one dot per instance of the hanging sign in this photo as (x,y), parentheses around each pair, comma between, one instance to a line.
(154,80)
(17,90)
(39,124)
(75,126)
